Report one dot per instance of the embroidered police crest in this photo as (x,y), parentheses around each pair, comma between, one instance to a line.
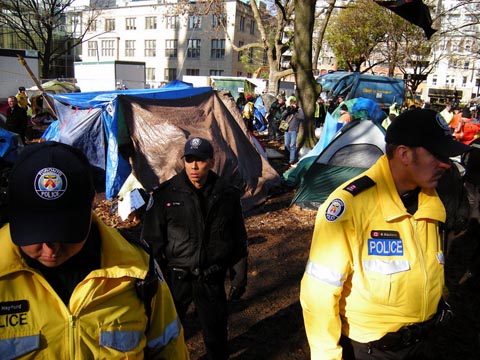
(50,183)
(335,209)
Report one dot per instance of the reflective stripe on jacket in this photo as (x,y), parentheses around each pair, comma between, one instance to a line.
(105,319)
(386,264)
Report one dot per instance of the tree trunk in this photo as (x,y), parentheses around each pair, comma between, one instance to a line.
(306,84)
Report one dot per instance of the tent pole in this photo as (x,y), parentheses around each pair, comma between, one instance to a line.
(22,61)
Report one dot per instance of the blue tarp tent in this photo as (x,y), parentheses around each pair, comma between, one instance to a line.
(79,126)
(10,145)
(143,131)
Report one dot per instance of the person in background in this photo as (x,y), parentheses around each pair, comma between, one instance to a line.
(388,120)
(196,228)
(467,129)
(248,112)
(22,98)
(447,113)
(375,277)
(331,106)
(456,121)
(289,100)
(320,112)
(344,118)
(241,101)
(274,116)
(295,116)
(17,118)
(69,284)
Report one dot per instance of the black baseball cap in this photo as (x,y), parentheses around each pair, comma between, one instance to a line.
(425,128)
(50,195)
(199,148)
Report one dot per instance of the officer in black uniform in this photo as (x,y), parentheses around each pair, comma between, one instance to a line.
(196,227)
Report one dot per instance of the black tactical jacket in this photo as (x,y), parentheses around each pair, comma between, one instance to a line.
(190,234)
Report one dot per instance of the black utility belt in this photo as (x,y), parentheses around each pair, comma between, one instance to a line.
(188,274)
(404,337)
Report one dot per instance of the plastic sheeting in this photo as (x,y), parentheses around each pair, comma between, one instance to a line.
(360,108)
(146,130)
(157,131)
(356,147)
(10,145)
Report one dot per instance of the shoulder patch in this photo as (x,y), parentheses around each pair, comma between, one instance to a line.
(335,209)
(359,185)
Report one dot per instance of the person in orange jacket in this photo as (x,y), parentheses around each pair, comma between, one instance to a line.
(467,130)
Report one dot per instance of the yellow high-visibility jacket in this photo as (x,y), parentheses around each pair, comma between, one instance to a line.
(105,318)
(373,268)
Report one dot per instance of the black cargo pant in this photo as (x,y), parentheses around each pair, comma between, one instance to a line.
(210,300)
(353,350)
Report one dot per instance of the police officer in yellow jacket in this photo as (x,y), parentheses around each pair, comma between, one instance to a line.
(374,277)
(71,287)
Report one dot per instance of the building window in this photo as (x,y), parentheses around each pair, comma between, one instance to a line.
(218,20)
(193,49)
(218,49)
(108,48)
(466,65)
(194,22)
(76,24)
(216,72)
(193,72)
(250,55)
(129,48)
(252,27)
(170,74)
(171,48)
(240,53)
(150,74)
(93,25)
(464,81)
(171,22)
(150,22)
(109,24)
(92,48)
(434,80)
(242,23)
(130,24)
(239,73)
(150,48)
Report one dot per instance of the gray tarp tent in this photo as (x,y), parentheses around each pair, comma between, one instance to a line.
(144,132)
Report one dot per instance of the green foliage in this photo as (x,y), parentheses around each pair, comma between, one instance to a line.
(354,32)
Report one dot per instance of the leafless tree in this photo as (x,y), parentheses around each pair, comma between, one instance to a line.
(43,26)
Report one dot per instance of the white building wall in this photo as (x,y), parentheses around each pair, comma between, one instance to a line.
(459,69)
(204,65)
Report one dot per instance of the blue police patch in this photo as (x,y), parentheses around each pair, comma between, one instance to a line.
(385,247)
(335,209)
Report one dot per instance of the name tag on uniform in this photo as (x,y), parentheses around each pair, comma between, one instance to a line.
(385,243)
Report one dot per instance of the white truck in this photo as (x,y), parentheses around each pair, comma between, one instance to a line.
(13,74)
(110,75)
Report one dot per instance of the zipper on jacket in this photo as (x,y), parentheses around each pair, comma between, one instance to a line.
(72,319)
(424,268)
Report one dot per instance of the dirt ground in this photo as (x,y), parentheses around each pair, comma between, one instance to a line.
(266,323)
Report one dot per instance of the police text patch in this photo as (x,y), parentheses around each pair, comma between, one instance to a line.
(385,247)
(335,209)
